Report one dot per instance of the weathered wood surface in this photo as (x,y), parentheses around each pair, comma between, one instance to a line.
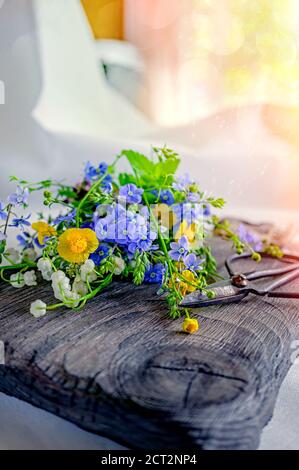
(122,369)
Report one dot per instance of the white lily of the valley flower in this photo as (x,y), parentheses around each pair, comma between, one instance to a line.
(79,287)
(72,299)
(17,280)
(61,285)
(38,308)
(29,254)
(119,265)
(59,278)
(87,271)
(13,255)
(30,278)
(45,267)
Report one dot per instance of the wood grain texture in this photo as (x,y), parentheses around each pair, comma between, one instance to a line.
(122,369)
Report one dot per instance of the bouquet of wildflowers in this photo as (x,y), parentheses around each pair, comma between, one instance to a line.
(146,225)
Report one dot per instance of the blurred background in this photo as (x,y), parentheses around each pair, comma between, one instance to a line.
(216,79)
(179,60)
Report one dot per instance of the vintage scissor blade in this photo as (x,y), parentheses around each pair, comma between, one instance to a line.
(224,292)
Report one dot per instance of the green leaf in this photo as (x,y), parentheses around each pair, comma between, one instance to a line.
(217,203)
(167,167)
(139,162)
(150,197)
(125,178)
(46,183)
(67,192)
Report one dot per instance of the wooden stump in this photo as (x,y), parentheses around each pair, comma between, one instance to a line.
(123,369)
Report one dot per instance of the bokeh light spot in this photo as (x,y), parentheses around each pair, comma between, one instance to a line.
(276,47)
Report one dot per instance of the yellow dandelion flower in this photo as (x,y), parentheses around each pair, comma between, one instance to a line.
(76,244)
(43,230)
(190,325)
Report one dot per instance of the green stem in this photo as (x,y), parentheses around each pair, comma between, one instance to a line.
(91,190)
(7,218)
(18,266)
(7,259)
(53,307)
(51,261)
(3,277)
(58,201)
(169,262)
(231,235)
(86,297)
(186,313)
(88,285)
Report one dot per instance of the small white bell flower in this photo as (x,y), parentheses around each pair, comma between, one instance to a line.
(119,265)
(45,267)
(13,255)
(29,254)
(87,272)
(38,308)
(17,280)
(30,278)
(79,287)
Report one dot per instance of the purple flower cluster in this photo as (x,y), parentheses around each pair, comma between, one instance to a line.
(101,253)
(131,194)
(192,262)
(183,183)
(179,249)
(249,237)
(21,222)
(3,213)
(19,197)
(154,274)
(129,229)
(25,240)
(180,252)
(68,218)
(92,174)
(164,196)
(191,213)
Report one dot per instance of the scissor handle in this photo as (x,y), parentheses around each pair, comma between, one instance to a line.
(272,272)
(291,271)
(287,258)
(284,295)
(281,282)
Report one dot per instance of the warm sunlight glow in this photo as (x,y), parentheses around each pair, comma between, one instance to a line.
(228,53)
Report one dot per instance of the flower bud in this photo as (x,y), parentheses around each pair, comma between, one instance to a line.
(190,325)
(256,257)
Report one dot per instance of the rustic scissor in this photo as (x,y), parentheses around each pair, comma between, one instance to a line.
(240,285)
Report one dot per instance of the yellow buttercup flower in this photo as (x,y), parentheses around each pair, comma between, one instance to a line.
(185,283)
(76,244)
(189,285)
(190,325)
(43,230)
(186,230)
